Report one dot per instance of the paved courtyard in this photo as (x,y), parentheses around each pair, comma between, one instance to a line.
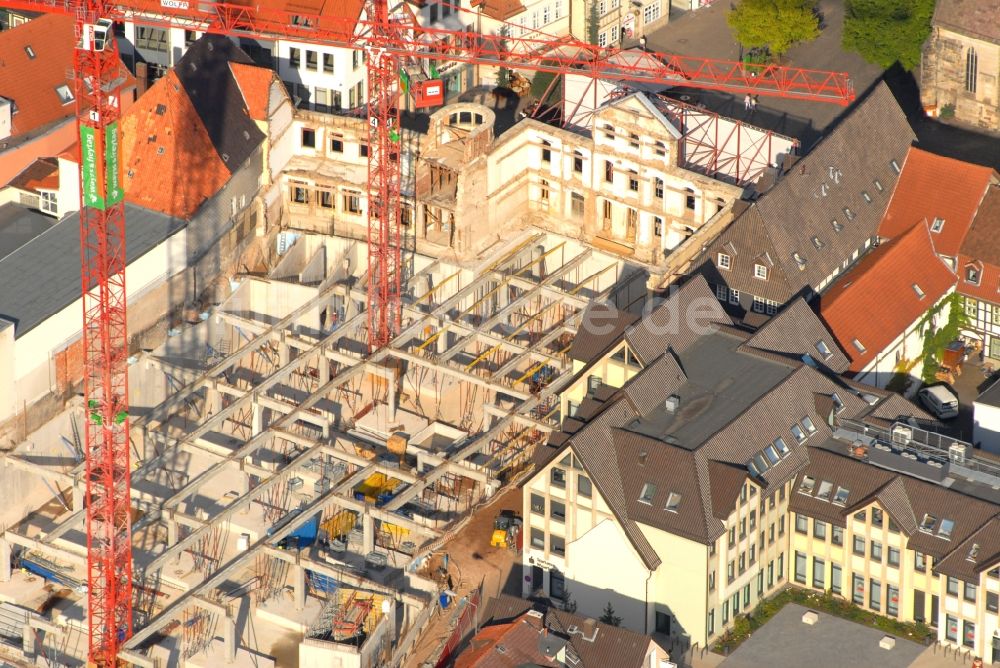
(785,642)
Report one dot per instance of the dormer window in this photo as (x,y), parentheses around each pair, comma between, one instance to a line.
(840,497)
(937,225)
(725,262)
(64,93)
(927,523)
(807,485)
(808,424)
(823,494)
(972,275)
(760,271)
(673,501)
(648,492)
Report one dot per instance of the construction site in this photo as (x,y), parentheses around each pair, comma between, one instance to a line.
(289,489)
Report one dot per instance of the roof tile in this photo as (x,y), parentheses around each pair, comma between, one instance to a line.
(877,300)
(935,187)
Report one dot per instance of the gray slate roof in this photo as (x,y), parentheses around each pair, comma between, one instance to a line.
(19,225)
(42,277)
(797,329)
(806,201)
(735,400)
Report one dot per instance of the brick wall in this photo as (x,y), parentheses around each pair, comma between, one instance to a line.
(69,367)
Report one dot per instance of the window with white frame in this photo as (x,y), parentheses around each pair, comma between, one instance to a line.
(651,12)
(614,34)
(734,296)
(760,271)
(725,262)
(47,202)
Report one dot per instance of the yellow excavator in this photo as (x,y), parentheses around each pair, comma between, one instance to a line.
(506,530)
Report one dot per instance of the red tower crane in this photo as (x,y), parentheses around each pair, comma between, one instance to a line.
(389,38)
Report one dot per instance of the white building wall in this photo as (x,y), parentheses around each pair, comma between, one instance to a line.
(34,370)
(986,427)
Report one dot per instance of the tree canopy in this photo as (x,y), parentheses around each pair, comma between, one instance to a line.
(887,31)
(775,24)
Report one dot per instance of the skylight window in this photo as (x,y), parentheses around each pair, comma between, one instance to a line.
(31,52)
(673,501)
(927,523)
(920,293)
(973,553)
(817,242)
(807,485)
(895,166)
(840,496)
(648,492)
(760,463)
(837,225)
(824,490)
(837,401)
(808,424)
(823,349)
(868,198)
(878,185)
(860,346)
(937,225)
(947,526)
(779,443)
(752,468)
(772,455)
(799,260)
(64,93)
(798,433)
(848,213)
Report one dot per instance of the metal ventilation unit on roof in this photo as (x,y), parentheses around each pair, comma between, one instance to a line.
(957,452)
(672,403)
(901,434)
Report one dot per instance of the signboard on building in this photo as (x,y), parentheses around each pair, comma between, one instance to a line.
(94,195)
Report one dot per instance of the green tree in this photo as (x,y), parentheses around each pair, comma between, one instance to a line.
(887,31)
(775,24)
(609,617)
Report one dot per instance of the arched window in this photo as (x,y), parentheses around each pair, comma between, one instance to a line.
(971,68)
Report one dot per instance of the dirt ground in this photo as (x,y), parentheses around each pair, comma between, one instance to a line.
(471,560)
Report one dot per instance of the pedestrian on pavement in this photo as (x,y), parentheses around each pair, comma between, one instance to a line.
(747,101)
(753,104)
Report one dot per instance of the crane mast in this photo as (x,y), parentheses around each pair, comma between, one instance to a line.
(98,78)
(386,40)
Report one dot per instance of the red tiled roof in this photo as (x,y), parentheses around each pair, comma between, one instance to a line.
(31,82)
(981,250)
(255,84)
(520,640)
(42,174)
(170,163)
(875,301)
(932,186)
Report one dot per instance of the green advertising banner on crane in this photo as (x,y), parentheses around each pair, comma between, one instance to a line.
(113,192)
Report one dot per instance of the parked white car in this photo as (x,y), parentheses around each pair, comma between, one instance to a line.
(940,401)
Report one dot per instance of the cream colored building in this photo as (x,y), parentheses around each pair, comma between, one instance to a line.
(960,68)
(678,466)
(619,186)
